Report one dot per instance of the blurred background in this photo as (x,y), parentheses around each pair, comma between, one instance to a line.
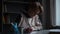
(50,18)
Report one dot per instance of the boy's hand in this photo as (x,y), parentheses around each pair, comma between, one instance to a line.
(37,24)
(28,30)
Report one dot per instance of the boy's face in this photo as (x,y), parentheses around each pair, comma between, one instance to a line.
(33,10)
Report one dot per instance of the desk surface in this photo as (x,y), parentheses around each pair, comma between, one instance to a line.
(44,31)
(54,30)
(39,32)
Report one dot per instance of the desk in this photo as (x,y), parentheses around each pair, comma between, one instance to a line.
(54,31)
(51,31)
(39,32)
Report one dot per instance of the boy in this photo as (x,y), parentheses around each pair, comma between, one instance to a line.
(29,20)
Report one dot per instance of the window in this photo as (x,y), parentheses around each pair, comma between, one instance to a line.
(57,12)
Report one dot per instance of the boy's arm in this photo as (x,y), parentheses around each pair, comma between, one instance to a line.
(38,22)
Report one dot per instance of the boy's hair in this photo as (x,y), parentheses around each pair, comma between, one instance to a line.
(34,7)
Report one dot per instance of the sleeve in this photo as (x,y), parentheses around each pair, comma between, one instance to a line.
(37,20)
(38,23)
(21,21)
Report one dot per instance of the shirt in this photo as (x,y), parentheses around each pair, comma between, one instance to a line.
(30,22)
